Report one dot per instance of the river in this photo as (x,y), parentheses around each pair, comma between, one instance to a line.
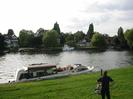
(109,59)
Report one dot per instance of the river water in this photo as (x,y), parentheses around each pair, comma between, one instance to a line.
(110,59)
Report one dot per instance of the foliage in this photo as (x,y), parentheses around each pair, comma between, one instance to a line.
(73,87)
(71,43)
(116,41)
(69,37)
(98,40)
(129,37)
(10,32)
(2,43)
(56,27)
(37,41)
(78,36)
(62,39)
(51,39)
(90,32)
(121,38)
(26,38)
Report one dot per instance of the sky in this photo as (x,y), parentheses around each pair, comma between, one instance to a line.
(72,15)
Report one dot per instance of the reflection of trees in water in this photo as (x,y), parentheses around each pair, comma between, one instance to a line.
(2,54)
(51,53)
(96,51)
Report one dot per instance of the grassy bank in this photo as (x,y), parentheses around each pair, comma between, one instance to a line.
(74,87)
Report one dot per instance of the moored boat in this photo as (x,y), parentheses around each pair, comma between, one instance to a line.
(48,71)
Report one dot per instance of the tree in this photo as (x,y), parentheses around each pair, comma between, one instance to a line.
(37,41)
(78,36)
(68,37)
(56,27)
(2,43)
(62,39)
(115,41)
(98,40)
(123,43)
(10,32)
(129,37)
(26,38)
(90,31)
(51,39)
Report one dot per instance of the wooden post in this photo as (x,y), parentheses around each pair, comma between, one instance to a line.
(101,72)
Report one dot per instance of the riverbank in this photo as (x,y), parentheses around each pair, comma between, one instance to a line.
(73,87)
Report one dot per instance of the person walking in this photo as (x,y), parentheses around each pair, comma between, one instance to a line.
(105,81)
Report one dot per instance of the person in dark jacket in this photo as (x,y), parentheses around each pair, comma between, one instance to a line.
(105,90)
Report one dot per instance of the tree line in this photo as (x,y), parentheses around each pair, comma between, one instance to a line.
(55,38)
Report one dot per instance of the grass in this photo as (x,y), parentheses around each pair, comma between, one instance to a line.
(73,87)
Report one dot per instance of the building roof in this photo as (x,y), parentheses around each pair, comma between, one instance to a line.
(40,65)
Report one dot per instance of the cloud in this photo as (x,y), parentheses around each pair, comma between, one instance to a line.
(72,15)
(106,15)
(121,5)
(109,5)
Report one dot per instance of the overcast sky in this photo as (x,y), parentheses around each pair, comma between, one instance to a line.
(72,15)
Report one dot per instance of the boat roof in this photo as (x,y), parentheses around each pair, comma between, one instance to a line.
(40,65)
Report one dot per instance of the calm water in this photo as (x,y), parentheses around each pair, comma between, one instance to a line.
(9,63)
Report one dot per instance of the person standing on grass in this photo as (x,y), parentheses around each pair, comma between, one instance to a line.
(105,80)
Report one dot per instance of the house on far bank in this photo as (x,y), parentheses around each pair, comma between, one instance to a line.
(11,41)
(83,43)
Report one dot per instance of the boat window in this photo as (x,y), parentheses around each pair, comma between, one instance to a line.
(39,74)
(51,71)
(24,76)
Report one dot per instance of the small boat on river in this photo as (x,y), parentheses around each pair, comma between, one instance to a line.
(48,71)
(67,48)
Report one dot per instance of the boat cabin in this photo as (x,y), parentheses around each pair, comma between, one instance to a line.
(35,70)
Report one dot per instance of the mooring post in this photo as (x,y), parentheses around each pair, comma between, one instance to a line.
(101,72)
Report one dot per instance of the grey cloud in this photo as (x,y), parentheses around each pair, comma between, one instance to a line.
(126,16)
(121,10)
(83,24)
(78,24)
(117,12)
(103,17)
(125,5)
(122,5)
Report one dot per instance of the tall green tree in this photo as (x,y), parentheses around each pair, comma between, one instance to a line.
(57,28)
(129,37)
(90,31)
(121,38)
(2,43)
(37,41)
(79,36)
(51,39)
(26,38)
(98,40)
(62,39)
(115,41)
(69,39)
(10,32)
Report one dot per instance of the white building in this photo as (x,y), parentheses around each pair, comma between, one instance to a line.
(11,41)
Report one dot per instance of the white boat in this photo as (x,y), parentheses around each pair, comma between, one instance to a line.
(48,71)
(80,68)
(35,71)
(67,48)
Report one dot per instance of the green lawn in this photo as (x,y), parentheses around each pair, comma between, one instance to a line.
(73,87)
